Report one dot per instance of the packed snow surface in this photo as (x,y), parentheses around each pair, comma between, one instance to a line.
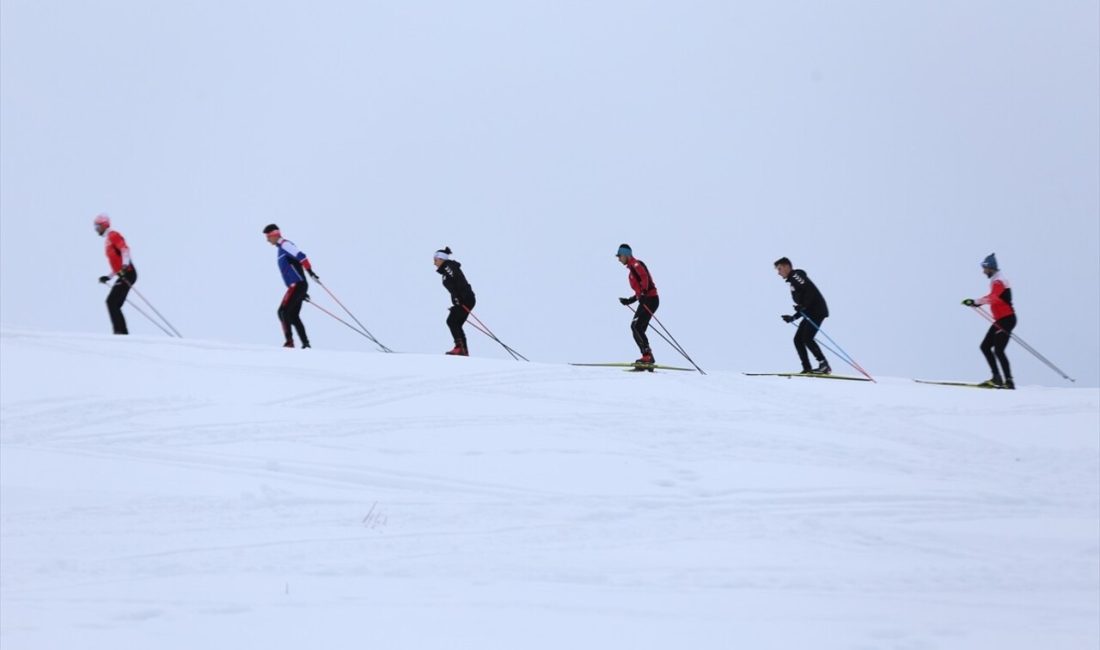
(183,495)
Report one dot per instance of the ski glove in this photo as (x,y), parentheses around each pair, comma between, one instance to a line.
(629,301)
(104,279)
(969,302)
(312,274)
(788,319)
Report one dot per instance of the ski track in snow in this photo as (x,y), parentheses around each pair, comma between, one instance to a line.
(174,494)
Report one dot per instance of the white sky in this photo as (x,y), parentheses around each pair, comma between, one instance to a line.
(885,147)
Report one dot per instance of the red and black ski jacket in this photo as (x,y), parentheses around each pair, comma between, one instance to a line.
(999,297)
(640,279)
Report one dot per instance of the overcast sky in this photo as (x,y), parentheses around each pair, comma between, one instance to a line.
(885,147)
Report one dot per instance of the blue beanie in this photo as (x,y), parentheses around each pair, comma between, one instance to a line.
(624,249)
(990,262)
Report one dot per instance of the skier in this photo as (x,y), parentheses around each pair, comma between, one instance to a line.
(645,294)
(122,268)
(808,302)
(996,339)
(293,265)
(462,298)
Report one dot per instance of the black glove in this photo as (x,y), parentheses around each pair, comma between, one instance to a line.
(969,302)
(629,301)
(312,274)
(788,319)
(104,279)
(306,298)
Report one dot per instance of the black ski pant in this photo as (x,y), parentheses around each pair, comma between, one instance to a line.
(117,298)
(456,319)
(994,344)
(804,340)
(290,312)
(640,323)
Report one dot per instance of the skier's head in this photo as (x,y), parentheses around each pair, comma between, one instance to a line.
(783,267)
(102,222)
(272,233)
(624,253)
(989,264)
(441,256)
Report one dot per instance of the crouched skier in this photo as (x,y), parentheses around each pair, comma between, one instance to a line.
(645,294)
(808,302)
(122,269)
(293,266)
(462,298)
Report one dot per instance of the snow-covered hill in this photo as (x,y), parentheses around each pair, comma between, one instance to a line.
(180,494)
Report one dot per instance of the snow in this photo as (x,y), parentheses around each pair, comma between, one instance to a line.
(184,494)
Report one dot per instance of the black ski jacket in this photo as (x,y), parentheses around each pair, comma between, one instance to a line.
(806,296)
(454,281)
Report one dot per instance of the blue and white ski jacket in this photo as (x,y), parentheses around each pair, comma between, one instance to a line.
(291,262)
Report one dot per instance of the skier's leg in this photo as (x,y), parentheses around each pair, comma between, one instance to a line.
(801,337)
(294,312)
(987,346)
(456,318)
(638,327)
(811,342)
(1003,337)
(115,300)
(284,318)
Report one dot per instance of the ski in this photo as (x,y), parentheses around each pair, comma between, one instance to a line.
(633,367)
(959,383)
(799,374)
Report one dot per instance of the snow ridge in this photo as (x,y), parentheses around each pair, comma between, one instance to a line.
(173,494)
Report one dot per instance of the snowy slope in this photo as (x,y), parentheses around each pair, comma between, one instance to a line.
(179,494)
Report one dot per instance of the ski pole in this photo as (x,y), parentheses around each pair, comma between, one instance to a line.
(380,345)
(825,344)
(479,328)
(847,358)
(659,333)
(152,320)
(340,320)
(146,301)
(160,315)
(679,347)
(1023,344)
(670,338)
(488,332)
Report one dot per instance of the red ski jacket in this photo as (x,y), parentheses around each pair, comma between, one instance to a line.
(118,253)
(999,298)
(640,279)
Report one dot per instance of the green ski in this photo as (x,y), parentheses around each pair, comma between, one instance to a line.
(984,385)
(799,374)
(633,367)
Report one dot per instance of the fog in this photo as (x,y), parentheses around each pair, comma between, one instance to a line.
(885,148)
